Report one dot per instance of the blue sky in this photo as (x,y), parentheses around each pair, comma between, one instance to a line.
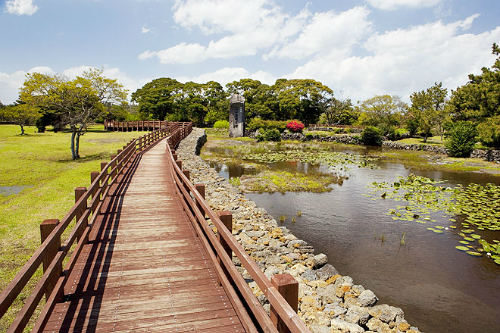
(359,48)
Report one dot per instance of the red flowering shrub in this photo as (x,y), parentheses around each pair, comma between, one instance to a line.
(295,126)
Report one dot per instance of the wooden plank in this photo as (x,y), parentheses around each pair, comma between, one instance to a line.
(145,269)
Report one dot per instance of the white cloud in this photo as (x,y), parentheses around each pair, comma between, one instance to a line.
(21,7)
(253,27)
(326,32)
(395,4)
(406,60)
(145,30)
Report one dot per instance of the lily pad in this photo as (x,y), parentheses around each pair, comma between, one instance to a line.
(475,254)
(462,248)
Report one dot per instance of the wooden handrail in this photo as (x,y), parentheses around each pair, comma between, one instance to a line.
(86,209)
(192,206)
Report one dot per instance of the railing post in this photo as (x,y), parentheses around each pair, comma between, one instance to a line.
(227,220)
(46,228)
(201,189)
(288,287)
(79,192)
(187,174)
(179,164)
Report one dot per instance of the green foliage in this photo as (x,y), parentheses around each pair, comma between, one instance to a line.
(339,112)
(480,97)
(20,114)
(371,136)
(382,111)
(489,132)
(76,103)
(269,135)
(461,139)
(258,123)
(221,124)
(168,99)
(301,99)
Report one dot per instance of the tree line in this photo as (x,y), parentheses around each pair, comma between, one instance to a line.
(471,111)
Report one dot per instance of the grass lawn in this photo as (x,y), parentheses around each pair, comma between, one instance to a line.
(431,141)
(40,166)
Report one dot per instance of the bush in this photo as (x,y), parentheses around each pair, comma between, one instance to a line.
(489,132)
(221,124)
(269,135)
(257,123)
(295,126)
(461,139)
(371,136)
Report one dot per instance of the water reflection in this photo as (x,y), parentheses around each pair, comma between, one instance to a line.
(440,288)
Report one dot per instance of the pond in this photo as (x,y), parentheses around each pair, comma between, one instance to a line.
(439,288)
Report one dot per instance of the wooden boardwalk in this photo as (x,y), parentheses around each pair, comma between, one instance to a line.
(144,268)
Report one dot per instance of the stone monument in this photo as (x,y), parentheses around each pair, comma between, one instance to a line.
(236,116)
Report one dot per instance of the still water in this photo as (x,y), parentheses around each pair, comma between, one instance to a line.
(439,288)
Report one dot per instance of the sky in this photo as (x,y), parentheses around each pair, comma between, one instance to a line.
(358,48)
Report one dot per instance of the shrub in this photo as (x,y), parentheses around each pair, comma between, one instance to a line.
(257,123)
(461,139)
(269,135)
(295,126)
(371,136)
(221,124)
(489,132)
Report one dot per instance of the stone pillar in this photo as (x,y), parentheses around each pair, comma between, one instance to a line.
(236,116)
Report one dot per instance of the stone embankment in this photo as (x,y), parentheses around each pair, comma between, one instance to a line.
(487,155)
(328,301)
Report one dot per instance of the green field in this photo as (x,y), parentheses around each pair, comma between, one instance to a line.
(40,166)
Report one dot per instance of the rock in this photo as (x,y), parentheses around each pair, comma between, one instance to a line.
(326,272)
(317,261)
(357,315)
(257,234)
(403,327)
(335,310)
(345,327)
(377,325)
(309,275)
(367,298)
(271,271)
(386,313)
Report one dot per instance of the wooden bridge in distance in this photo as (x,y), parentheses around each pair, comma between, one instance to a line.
(141,257)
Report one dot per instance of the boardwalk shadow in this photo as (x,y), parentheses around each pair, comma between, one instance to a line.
(86,301)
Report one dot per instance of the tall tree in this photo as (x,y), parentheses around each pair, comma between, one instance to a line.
(78,102)
(479,99)
(260,100)
(159,99)
(340,112)
(382,111)
(20,114)
(303,99)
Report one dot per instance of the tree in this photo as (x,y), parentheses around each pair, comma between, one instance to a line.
(302,99)
(340,112)
(78,102)
(20,114)
(461,139)
(158,99)
(382,111)
(260,100)
(479,99)
(427,110)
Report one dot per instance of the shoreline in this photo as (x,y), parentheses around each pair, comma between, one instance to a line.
(328,301)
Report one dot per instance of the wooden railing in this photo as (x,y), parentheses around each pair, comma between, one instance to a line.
(85,212)
(143,125)
(281,291)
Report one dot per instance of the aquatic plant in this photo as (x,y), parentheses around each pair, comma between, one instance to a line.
(477,206)
(282,218)
(299,213)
